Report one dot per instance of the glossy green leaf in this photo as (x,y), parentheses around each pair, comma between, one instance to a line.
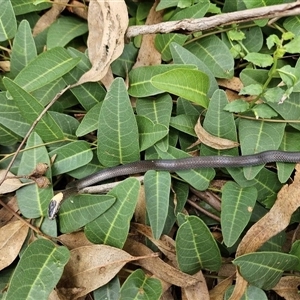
(183,56)
(196,248)
(31,109)
(64,30)
(8,22)
(22,7)
(214,53)
(157,193)
(45,68)
(117,131)
(79,210)
(149,132)
(189,84)
(163,41)
(140,79)
(140,286)
(71,156)
(236,208)
(32,200)
(23,50)
(111,228)
(264,269)
(89,122)
(257,137)
(38,271)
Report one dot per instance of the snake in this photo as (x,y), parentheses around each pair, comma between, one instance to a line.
(171,165)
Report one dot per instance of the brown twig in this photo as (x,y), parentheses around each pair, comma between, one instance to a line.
(242,16)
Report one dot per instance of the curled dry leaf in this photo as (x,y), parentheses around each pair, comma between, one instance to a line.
(50,16)
(158,267)
(211,140)
(74,240)
(197,291)
(12,237)
(6,215)
(218,292)
(9,185)
(148,55)
(91,267)
(275,221)
(108,21)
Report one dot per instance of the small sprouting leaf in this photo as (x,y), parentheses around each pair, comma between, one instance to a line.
(259,59)
(237,106)
(264,111)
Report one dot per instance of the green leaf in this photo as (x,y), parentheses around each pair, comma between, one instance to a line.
(214,54)
(7,137)
(236,208)
(8,22)
(71,156)
(251,293)
(149,132)
(293,46)
(46,262)
(157,192)
(264,269)
(189,84)
(32,200)
(64,30)
(117,132)
(79,210)
(264,111)
(257,137)
(252,89)
(237,106)
(140,79)
(111,228)
(45,68)
(195,11)
(163,41)
(140,286)
(31,109)
(274,94)
(259,59)
(185,123)
(23,50)
(22,7)
(111,290)
(196,248)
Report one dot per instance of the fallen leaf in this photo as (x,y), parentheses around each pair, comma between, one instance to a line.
(5,214)
(158,267)
(148,55)
(12,237)
(108,21)
(218,292)
(234,83)
(275,221)
(74,240)
(91,267)
(198,290)
(287,287)
(78,8)
(211,140)
(9,185)
(49,16)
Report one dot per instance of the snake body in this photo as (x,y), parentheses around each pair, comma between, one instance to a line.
(173,165)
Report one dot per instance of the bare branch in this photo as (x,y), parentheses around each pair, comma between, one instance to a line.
(193,25)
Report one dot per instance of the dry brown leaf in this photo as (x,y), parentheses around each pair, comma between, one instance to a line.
(108,21)
(78,8)
(287,287)
(140,208)
(275,221)
(234,84)
(9,185)
(166,248)
(12,237)
(218,292)
(74,240)
(199,291)
(148,55)
(49,16)
(158,267)
(6,215)
(5,66)
(91,267)
(211,140)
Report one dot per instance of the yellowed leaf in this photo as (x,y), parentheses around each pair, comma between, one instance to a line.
(158,267)
(108,21)
(275,221)
(12,237)
(211,140)
(9,185)
(89,268)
